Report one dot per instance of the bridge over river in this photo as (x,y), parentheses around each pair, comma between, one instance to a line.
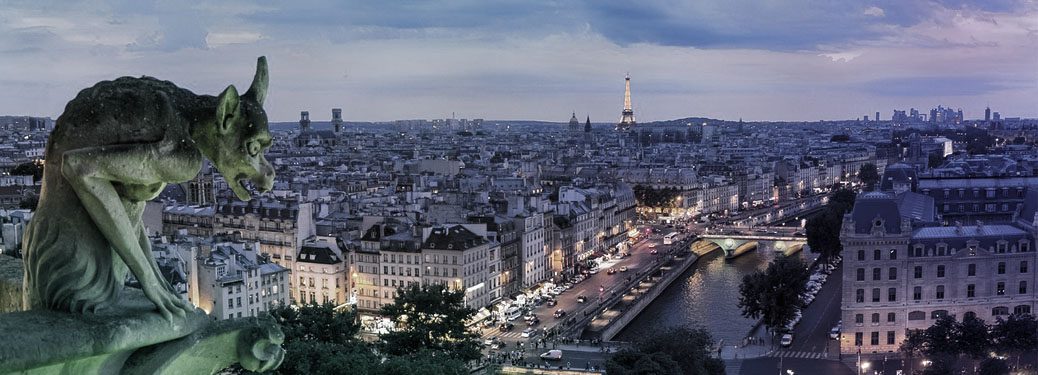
(735,241)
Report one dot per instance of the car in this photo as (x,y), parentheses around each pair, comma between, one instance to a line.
(489,341)
(593,271)
(559,313)
(610,271)
(552,302)
(529,317)
(787,340)
(623,268)
(505,327)
(581,298)
(798,234)
(498,344)
(834,333)
(654,251)
(529,332)
(567,286)
(533,322)
(651,245)
(554,355)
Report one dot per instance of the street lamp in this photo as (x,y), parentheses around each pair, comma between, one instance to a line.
(864,367)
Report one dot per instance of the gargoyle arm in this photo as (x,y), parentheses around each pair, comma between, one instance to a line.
(91,172)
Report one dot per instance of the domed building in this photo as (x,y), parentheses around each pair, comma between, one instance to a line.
(574,124)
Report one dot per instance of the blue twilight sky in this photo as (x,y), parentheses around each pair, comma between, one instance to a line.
(539,59)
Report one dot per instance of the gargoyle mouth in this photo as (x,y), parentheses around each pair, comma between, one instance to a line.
(241,188)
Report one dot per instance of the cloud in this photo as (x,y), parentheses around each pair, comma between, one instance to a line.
(874,12)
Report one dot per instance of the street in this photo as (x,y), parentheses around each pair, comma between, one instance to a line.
(640,259)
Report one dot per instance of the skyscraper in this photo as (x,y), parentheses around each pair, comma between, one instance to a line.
(627,116)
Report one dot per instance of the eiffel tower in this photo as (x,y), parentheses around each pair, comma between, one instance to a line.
(627,116)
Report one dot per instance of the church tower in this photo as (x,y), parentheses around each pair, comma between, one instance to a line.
(627,116)
(337,120)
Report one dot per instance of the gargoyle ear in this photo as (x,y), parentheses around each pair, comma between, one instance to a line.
(227,108)
(258,90)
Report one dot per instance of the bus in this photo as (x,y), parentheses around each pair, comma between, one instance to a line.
(669,238)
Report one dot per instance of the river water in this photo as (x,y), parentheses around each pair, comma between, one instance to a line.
(706,294)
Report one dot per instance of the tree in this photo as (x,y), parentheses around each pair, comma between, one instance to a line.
(971,337)
(681,350)
(774,294)
(840,138)
(993,366)
(823,231)
(1019,140)
(321,340)
(34,169)
(868,175)
(430,317)
(1015,336)
(29,201)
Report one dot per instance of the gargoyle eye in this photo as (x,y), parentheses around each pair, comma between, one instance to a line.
(254,148)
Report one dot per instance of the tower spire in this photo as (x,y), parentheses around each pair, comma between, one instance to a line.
(627,116)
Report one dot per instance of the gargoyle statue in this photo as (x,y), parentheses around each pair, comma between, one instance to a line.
(116,146)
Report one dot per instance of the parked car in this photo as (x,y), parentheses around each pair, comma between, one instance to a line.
(505,327)
(787,340)
(559,313)
(554,355)
(834,333)
(610,271)
(529,332)
(581,298)
(552,302)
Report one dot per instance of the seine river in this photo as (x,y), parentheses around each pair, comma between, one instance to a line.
(707,294)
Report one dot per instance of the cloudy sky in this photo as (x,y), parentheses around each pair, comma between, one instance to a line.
(539,59)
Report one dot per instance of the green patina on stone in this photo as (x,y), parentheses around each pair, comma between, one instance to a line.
(116,146)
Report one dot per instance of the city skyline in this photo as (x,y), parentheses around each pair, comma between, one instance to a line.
(541,61)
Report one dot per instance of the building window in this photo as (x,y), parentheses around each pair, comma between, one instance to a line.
(1001,268)
(940,271)
(1025,247)
(859,318)
(892,273)
(858,336)
(876,254)
(861,274)
(891,317)
(861,254)
(1022,309)
(917,315)
(1001,310)
(941,250)
(891,294)
(1023,266)
(918,271)
(917,293)
(874,339)
(1000,288)
(875,318)
(890,337)
(971,270)
(1023,287)
(1002,247)
(875,294)
(876,274)
(971,291)
(893,254)
(859,295)
(940,292)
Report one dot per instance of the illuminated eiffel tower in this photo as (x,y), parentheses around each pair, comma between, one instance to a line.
(627,116)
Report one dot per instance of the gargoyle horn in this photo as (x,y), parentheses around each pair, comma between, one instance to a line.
(258,90)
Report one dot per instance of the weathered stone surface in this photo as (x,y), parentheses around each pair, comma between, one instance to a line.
(12,271)
(116,146)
